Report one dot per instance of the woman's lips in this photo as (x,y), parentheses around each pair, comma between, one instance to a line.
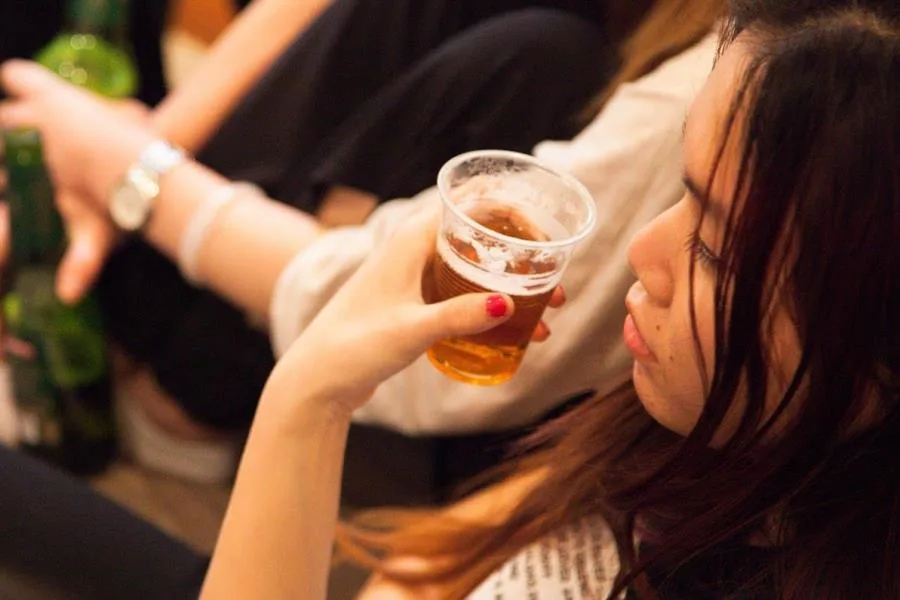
(635,343)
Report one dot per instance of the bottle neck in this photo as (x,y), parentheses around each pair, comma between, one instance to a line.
(102,18)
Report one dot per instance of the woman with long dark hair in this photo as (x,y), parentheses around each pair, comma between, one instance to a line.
(755,454)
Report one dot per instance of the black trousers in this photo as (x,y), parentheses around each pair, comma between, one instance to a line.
(57,532)
(375,95)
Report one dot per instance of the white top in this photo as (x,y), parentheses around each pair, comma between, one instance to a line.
(579,562)
(629,158)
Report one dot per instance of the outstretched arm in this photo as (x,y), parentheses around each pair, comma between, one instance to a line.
(277,538)
(88,147)
(193,110)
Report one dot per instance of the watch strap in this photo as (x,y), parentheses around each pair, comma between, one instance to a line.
(133,200)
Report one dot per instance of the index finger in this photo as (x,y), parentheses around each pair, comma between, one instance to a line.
(557,298)
(22,77)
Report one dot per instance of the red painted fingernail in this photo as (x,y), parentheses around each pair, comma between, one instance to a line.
(496,306)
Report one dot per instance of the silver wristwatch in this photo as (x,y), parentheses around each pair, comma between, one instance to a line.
(132,200)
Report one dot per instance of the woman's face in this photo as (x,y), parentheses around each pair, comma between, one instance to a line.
(669,360)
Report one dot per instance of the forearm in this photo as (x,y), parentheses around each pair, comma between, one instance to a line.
(257,37)
(276,540)
(246,247)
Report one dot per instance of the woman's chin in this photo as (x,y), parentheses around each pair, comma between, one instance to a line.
(657,405)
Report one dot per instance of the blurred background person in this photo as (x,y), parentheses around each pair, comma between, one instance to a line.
(201,351)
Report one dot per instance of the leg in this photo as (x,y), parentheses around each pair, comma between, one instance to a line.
(350,52)
(200,348)
(508,82)
(56,531)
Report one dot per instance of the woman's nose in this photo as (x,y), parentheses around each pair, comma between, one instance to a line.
(652,255)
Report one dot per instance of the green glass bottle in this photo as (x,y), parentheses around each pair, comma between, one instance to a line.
(93,49)
(57,353)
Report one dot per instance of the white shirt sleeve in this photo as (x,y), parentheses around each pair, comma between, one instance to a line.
(629,157)
(316,273)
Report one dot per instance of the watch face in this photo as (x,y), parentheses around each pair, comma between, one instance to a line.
(132,201)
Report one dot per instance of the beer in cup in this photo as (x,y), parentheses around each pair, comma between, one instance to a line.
(509,225)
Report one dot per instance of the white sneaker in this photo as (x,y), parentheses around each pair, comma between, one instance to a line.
(153,447)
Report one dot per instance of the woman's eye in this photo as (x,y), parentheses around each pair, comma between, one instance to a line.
(700,252)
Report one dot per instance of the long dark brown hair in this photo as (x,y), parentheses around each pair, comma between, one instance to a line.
(816,221)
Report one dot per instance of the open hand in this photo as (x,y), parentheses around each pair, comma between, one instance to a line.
(83,134)
(79,133)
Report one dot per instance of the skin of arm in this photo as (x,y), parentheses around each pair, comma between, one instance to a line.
(89,147)
(235,261)
(188,116)
(276,538)
(258,36)
(276,541)
(286,499)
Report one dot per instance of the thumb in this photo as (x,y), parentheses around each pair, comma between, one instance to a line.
(24,77)
(80,267)
(468,314)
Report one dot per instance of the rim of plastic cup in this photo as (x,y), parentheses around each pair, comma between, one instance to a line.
(567,178)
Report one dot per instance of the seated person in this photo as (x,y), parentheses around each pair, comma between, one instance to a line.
(628,156)
(753,454)
(364,105)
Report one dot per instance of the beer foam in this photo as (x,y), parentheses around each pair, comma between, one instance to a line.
(491,272)
(538,216)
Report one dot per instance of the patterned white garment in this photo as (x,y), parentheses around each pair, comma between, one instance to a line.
(578,562)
